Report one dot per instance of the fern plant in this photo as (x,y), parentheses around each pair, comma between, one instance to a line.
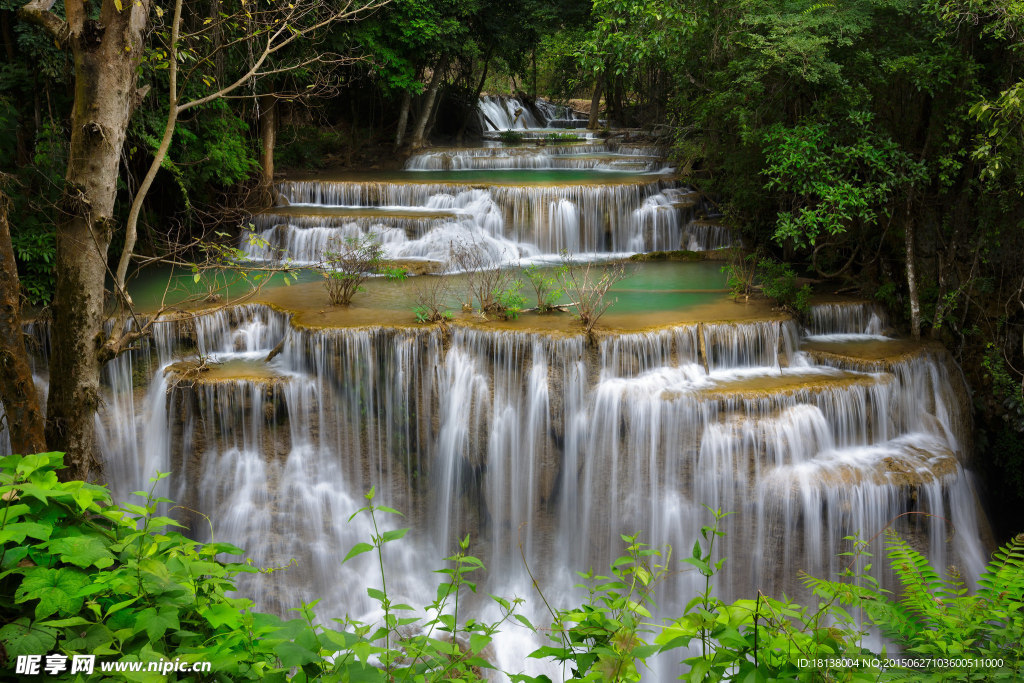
(945,631)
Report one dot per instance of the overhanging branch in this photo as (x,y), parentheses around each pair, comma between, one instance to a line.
(39,12)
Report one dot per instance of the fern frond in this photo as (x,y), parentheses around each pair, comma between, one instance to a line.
(1004,576)
(895,620)
(924,590)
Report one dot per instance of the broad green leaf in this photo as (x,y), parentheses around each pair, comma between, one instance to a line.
(156,621)
(82,551)
(56,589)
(17,531)
(25,638)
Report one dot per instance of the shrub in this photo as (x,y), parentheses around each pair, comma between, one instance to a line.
(779,282)
(347,264)
(510,137)
(546,287)
(431,296)
(587,286)
(741,269)
(485,281)
(509,302)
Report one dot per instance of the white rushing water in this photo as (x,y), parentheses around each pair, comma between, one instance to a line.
(622,205)
(527,439)
(516,221)
(540,447)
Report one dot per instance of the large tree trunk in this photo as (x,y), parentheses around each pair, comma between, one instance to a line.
(428,105)
(268,139)
(403,118)
(595,105)
(106,59)
(24,415)
(474,103)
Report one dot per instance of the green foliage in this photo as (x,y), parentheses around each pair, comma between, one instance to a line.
(213,149)
(426,314)
(510,300)
(978,636)
(740,270)
(431,295)
(545,286)
(763,638)
(510,137)
(779,282)
(34,191)
(83,576)
(838,175)
(604,638)
(440,648)
(1006,388)
(347,264)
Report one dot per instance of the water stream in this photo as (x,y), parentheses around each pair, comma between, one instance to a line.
(538,444)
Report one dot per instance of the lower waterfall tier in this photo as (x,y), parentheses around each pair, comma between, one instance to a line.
(543,446)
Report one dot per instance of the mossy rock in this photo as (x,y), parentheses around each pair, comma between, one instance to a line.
(679,255)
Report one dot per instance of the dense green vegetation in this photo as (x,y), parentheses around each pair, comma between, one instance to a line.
(79,575)
(872,145)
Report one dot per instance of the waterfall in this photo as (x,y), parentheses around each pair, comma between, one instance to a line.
(542,446)
(500,113)
(847,318)
(420,220)
(541,441)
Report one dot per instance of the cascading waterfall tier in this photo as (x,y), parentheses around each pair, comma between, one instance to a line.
(510,222)
(599,156)
(501,112)
(542,439)
(847,317)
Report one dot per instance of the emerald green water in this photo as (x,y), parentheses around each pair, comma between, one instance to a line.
(510,176)
(648,288)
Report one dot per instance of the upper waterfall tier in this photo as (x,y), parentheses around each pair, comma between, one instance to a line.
(600,157)
(502,112)
(510,215)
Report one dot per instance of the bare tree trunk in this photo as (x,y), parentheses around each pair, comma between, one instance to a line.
(403,118)
(268,139)
(24,413)
(595,105)
(428,131)
(428,105)
(106,56)
(915,301)
(474,103)
(940,300)
(533,57)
